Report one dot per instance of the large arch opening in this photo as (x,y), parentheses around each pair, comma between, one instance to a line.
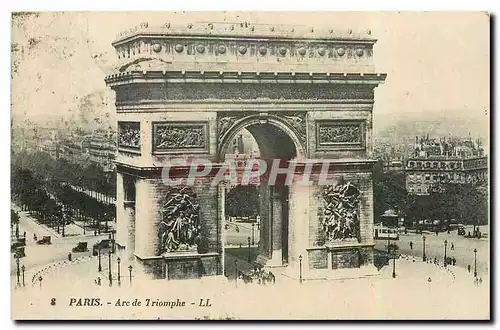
(255,217)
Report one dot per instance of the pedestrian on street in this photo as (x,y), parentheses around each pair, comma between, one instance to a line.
(24,235)
(480,280)
(411,245)
(99,280)
(468,268)
(452,246)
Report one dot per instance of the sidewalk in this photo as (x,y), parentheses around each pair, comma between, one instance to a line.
(70,230)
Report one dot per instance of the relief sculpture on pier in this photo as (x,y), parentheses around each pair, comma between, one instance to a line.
(341,214)
(179,228)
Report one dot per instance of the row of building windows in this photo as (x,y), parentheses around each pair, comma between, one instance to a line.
(435,177)
(451,165)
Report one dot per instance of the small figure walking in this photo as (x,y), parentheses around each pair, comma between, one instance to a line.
(411,245)
(99,280)
(468,268)
(453,246)
(480,280)
(24,235)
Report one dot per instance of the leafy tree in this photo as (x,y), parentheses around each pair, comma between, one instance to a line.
(242,201)
(389,191)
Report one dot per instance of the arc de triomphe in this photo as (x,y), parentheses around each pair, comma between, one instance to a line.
(305,95)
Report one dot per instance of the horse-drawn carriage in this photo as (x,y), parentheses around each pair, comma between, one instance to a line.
(259,276)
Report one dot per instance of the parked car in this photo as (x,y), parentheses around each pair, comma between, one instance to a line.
(104,246)
(461,230)
(81,247)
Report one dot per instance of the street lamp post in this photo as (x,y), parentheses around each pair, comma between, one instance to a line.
(475,264)
(300,269)
(119,281)
(109,267)
(424,258)
(236,272)
(23,268)
(106,219)
(18,270)
(394,263)
(253,233)
(249,253)
(130,273)
(445,245)
(99,267)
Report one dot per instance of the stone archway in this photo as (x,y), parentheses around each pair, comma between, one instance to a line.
(276,139)
(184,92)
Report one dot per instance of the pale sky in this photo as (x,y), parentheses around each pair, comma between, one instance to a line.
(436,62)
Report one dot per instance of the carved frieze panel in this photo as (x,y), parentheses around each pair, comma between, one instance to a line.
(340,218)
(179,228)
(340,135)
(129,135)
(172,136)
(234,92)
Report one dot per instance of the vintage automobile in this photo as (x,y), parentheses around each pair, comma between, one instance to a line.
(104,246)
(461,230)
(46,240)
(81,247)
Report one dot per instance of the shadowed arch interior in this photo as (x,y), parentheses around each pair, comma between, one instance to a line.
(273,142)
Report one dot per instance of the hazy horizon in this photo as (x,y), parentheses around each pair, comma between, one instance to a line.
(437,64)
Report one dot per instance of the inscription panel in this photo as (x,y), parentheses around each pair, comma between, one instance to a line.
(129,136)
(340,135)
(176,136)
(345,259)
